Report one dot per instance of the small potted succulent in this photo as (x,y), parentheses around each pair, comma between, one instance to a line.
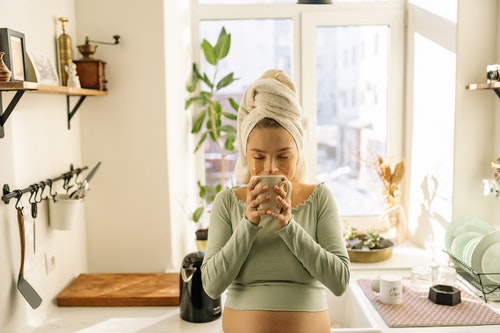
(366,247)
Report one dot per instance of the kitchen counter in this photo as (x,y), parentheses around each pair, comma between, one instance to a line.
(166,319)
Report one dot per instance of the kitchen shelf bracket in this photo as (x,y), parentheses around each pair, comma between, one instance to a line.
(72,111)
(20,87)
(495,86)
(5,115)
(497,91)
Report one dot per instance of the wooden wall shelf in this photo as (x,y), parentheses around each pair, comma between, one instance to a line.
(495,86)
(20,87)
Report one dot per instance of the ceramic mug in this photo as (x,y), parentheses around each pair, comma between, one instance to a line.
(270,181)
(389,288)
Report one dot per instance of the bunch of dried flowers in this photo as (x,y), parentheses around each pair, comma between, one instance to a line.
(391,178)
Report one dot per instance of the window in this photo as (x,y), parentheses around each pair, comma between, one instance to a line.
(345,60)
(250,55)
(351,131)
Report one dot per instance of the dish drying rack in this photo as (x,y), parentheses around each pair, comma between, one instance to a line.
(476,279)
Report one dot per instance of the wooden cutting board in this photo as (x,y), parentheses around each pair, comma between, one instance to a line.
(130,289)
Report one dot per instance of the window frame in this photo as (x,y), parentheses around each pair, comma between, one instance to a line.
(305,19)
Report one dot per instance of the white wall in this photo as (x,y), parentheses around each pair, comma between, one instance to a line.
(37,145)
(139,131)
(449,129)
(477,38)
(134,216)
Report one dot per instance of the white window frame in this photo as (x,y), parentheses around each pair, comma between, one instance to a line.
(305,20)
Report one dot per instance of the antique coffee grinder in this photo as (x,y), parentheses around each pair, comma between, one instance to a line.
(89,69)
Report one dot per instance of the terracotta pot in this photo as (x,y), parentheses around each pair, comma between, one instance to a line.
(5,73)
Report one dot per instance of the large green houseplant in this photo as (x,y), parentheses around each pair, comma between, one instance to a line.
(213,115)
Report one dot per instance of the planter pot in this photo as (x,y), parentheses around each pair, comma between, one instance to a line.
(368,256)
(201,239)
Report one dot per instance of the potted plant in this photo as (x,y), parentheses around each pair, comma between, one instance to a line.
(366,247)
(213,118)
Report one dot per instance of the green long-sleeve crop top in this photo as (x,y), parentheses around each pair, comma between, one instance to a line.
(265,269)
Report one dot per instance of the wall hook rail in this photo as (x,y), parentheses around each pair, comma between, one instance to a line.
(8,194)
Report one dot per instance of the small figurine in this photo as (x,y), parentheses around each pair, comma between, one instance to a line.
(73,79)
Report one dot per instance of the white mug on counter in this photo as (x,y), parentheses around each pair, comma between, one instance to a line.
(270,181)
(389,288)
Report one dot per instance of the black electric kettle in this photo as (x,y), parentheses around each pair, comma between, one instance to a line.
(196,306)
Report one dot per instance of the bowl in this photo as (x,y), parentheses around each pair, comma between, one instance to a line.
(445,295)
(369,256)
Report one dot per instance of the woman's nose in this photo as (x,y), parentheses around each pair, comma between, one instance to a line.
(271,166)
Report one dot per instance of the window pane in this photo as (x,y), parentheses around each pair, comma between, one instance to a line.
(256,45)
(352,114)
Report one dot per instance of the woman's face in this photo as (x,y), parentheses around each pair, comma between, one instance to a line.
(271,151)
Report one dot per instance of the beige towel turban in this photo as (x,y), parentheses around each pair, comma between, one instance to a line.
(271,96)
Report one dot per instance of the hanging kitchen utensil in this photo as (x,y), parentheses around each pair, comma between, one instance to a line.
(84,186)
(34,211)
(28,292)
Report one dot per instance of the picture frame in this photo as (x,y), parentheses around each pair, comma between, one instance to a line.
(12,42)
(43,68)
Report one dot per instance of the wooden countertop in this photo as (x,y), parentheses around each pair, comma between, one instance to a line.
(129,289)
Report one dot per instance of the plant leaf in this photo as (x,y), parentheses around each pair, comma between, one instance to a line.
(200,142)
(221,48)
(198,123)
(197,214)
(229,144)
(228,128)
(209,52)
(225,81)
(230,116)
(233,103)
(399,171)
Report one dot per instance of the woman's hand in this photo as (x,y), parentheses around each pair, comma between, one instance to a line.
(254,199)
(285,214)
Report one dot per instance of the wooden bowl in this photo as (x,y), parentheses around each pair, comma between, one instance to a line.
(368,256)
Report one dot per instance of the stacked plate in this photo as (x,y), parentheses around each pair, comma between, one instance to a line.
(477,244)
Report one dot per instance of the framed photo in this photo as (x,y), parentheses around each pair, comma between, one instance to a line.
(44,68)
(13,44)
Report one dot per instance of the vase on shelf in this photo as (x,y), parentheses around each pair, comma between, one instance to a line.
(5,73)
(392,222)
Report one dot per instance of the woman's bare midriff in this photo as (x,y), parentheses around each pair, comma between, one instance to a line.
(251,321)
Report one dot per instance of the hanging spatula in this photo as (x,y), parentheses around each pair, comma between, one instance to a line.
(24,287)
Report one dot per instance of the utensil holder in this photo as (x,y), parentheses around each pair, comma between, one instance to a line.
(63,212)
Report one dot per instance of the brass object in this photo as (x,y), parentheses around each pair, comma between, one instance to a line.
(65,53)
(369,256)
(5,73)
(87,50)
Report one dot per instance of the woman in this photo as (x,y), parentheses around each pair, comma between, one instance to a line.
(274,265)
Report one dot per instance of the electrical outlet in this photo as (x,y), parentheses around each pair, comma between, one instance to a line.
(50,262)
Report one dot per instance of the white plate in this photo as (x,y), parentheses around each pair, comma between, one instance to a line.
(486,257)
(469,249)
(460,241)
(465,224)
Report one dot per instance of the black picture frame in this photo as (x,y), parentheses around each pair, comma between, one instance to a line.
(12,42)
